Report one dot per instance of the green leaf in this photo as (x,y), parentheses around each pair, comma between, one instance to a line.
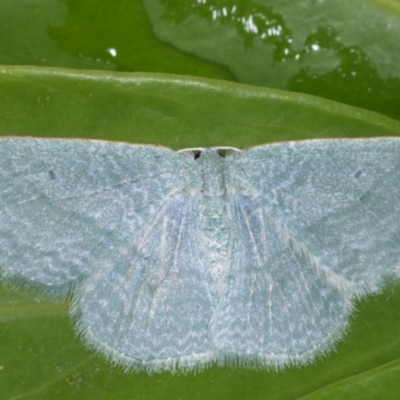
(91,34)
(377,383)
(347,51)
(170,110)
(40,356)
(342,50)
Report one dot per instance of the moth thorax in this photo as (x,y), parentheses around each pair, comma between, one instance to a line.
(212,169)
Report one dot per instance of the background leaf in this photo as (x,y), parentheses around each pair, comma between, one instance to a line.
(91,34)
(41,358)
(342,50)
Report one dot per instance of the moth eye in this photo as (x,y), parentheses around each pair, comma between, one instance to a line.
(196,154)
(222,152)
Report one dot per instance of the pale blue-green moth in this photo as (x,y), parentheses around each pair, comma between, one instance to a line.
(177,260)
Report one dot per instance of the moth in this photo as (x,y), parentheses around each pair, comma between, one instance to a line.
(177,260)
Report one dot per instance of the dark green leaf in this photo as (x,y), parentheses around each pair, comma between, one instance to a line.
(348,51)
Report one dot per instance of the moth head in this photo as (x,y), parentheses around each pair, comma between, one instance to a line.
(208,153)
